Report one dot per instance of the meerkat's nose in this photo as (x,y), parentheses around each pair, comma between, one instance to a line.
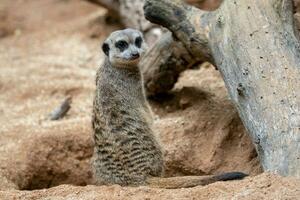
(135,55)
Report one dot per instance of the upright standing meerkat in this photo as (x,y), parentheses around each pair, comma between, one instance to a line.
(126,150)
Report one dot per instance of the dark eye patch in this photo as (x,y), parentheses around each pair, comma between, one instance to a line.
(105,48)
(122,45)
(138,42)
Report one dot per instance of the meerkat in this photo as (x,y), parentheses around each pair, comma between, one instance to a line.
(126,150)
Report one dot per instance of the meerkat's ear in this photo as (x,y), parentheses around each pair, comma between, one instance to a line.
(105,48)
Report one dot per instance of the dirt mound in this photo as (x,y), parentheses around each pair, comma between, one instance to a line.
(6,184)
(53,158)
(200,129)
(265,186)
(200,132)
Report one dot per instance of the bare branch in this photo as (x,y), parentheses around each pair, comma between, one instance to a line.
(180,18)
(61,110)
(163,63)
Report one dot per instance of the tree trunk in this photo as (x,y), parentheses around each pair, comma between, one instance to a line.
(255,46)
(165,60)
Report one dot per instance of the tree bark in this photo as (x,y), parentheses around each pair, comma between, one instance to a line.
(163,63)
(256,48)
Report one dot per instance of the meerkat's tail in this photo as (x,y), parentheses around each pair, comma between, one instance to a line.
(192,181)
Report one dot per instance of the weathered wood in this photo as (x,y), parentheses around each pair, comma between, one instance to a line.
(61,110)
(205,4)
(163,64)
(256,48)
(297,20)
(297,6)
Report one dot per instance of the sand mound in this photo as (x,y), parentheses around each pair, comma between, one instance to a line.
(265,186)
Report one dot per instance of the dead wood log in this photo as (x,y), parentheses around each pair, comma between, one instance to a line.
(256,48)
(62,109)
(297,6)
(163,64)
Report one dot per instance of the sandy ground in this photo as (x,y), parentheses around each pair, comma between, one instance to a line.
(264,187)
(47,53)
(49,50)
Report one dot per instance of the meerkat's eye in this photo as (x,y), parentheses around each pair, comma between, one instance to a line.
(122,45)
(138,42)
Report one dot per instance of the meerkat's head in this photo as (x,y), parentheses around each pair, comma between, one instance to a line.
(124,48)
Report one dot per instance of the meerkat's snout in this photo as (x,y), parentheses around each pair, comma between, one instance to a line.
(135,55)
(132,53)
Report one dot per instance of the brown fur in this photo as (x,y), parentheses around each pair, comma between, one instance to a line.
(126,151)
